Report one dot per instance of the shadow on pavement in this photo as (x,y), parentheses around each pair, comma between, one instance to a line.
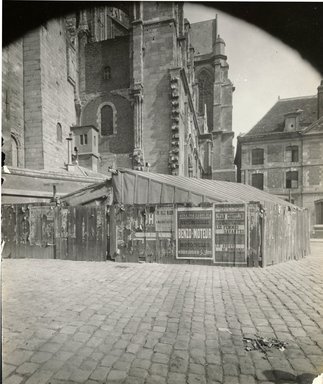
(288,377)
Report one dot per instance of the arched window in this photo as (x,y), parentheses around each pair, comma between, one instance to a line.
(59,133)
(205,86)
(14,152)
(107,120)
(107,73)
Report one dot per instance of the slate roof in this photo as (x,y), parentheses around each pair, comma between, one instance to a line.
(201,36)
(274,119)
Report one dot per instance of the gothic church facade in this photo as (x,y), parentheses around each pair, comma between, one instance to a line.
(136,86)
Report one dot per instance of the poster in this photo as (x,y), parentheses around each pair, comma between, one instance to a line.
(158,222)
(230,234)
(164,219)
(194,233)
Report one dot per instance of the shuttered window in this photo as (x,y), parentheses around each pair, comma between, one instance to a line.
(292,179)
(292,154)
(257,156)
(258,180)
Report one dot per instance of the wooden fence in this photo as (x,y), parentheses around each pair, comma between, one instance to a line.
(222,234)
(286,234)
(48,231)
(257,235)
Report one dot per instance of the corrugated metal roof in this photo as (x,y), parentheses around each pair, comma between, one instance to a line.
(127,191)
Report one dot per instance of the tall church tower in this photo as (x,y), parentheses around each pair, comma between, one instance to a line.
(136,85)
(215,93)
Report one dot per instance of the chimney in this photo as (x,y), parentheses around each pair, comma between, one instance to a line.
(320,100)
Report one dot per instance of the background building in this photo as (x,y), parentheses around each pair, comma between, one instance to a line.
(133,86)
(282,154)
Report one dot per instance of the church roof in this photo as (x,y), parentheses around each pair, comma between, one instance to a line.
(274,119)
(202,36)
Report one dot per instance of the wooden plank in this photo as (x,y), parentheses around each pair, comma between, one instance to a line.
(92,243)
(71,252)
(253,236)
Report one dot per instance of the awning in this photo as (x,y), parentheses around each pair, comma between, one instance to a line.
(137,187)
(26,185)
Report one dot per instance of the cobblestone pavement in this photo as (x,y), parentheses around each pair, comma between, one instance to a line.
(88,322)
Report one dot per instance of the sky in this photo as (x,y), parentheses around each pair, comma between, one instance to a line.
(262,68)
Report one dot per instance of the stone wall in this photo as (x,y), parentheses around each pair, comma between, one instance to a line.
(313,163)
(12,100)
(113,53)
(102,88)
(57,93)
(276,164)
(159,44)
(34,148)
(122,140)
(68,79)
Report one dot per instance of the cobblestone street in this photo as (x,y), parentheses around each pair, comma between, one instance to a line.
(87,322)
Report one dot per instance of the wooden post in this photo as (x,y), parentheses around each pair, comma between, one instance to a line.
(113,231)
(263,238)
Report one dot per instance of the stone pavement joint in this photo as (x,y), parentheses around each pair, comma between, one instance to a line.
(68,322)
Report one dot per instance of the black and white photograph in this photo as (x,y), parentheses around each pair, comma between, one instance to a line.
(162,192)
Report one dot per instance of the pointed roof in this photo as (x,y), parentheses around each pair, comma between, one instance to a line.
(274,119)
(202,36)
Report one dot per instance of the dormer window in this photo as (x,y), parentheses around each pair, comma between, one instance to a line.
(292,120)
(290,124)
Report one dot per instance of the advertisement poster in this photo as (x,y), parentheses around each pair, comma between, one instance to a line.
(230,234)
(194,233)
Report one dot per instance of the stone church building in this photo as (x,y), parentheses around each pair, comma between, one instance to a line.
(136,86)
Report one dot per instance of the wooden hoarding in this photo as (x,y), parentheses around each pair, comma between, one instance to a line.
(48,231)
(230,234)
(194,233)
